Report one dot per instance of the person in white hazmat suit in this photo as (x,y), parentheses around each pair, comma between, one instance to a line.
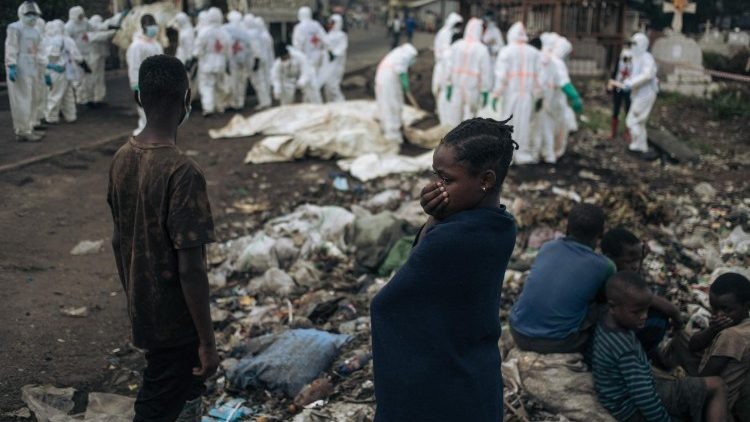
(643,87)
(242,60)
(63,56)
(517,88)
(469,75)
(23,55)
(441,49)
(143,46)
(185,37)
(290,71)
(263,74)
(99,42)
(492,36)
(43,82)
(78,28)
(307,37)
(337,43)
(212,49)
(556,119)
(391,84)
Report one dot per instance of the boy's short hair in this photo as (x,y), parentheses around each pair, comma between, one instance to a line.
(732,283)
(162,80)
(586,221)
(614,241)
(624,282)
(483,144)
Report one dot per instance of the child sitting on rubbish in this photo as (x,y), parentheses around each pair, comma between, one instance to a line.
(162,222)
(725,344)
(627,252)
(555,312)
(623,379)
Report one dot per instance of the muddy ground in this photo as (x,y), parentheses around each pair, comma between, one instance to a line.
(48,207)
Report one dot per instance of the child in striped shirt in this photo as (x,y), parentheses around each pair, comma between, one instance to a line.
(622,374)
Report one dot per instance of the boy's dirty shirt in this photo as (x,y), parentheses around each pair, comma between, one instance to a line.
(159,205)
(734,343)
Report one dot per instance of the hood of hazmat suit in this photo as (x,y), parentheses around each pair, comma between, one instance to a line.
(181,20)
(304,14)
(640,44)
(96,23)
(248,20)
(76,13)
(214,17)
(469,74)
(29,6)
(52,29)
(517,33)
(338,22)
(445,35)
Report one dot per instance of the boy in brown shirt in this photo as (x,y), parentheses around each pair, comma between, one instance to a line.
(726,342)
(162,222)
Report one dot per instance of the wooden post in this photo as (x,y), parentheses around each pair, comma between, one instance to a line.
(525,12)
(557,17)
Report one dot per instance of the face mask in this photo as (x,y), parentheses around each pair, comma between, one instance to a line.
(152,31)
(188,109)
(29,20)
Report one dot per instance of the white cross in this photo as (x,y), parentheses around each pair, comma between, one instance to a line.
(678,7)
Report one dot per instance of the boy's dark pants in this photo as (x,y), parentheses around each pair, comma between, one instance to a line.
(168,382)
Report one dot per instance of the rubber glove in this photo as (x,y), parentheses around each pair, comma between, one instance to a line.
(84,66)
(256,65)
(575,99)
(404,80)
(449,92)
(539,104)
(135,87)
(485,97)
(56,67)
(494,103)
(47,79)
(12,73)
(331,56)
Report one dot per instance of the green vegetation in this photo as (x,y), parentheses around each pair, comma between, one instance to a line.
(599,119)
(724,104)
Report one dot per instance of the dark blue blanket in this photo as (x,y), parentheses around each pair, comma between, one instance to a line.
(436,324)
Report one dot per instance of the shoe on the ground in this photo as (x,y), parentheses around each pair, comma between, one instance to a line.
(40,128)
(31,137)
(649,155)
(38,133)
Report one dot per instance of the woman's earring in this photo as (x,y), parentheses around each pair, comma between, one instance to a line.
(484,188)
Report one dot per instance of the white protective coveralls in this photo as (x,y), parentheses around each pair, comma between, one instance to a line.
(267,56)
(289,74)
(185,37)
(517,87)
(139,50)
(212,49)
(307,37)
(23,53)
(553,121)
(643,86)
(336,42)
(469,75)
(441,49)
(99,43)
(61,51)
(389,93)
(241,59)
(260,77)
(40,93)
(493,39)
(78,28)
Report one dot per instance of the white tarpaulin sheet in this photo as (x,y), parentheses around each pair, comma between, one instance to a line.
(372,166)
(347,129)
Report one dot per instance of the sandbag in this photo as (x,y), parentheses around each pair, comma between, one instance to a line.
(562,383)
(292,361)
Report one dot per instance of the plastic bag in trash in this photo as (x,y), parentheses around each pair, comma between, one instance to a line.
(397,256)
(48,402)
(104,407)
(374,236)
(294,360)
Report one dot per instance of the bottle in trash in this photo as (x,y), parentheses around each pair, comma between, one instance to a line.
(354,363)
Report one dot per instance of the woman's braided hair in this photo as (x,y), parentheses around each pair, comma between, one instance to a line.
(484,144)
